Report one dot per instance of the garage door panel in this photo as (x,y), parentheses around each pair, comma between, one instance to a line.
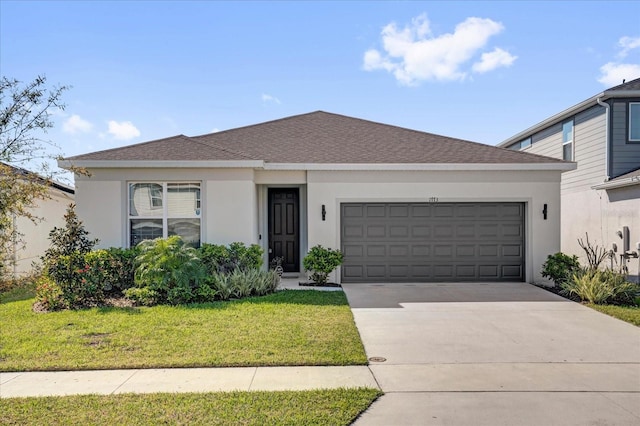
(407,242)
(353,250)
(420,231)
(443,271)
(488,272)
(399,210)
(377,250)
(511,271)
(376,271)
(465,271)
(375,231)
(376,210)
(420,210)
(399,231)
(512,230)
(353,210)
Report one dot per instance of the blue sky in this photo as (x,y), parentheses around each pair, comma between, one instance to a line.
(481,71)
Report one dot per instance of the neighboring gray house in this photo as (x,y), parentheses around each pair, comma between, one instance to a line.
(402,205)
(602,196)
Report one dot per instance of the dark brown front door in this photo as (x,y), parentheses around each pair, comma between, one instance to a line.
(284,227)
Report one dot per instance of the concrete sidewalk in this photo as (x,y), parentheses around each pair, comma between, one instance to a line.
(107,382)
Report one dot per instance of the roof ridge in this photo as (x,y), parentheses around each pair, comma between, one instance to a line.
(259,124)
(212,144)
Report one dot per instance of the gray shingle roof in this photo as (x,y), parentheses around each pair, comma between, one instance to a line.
(319,137)
(629,85)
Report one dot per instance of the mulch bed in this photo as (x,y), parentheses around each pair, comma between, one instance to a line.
(319,285)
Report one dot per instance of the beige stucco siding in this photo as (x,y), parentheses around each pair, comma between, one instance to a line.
(533,188)
(35,235)
(100,204)
(602,214)
(228,198)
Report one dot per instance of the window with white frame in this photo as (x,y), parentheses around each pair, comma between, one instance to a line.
(567,140)
(162,209)
(634,121)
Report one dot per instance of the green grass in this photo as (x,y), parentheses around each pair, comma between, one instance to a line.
(320,407)
(22,291)
(630,314)
(284,328)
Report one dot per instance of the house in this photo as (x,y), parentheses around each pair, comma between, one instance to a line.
(403,205)
(601,196)
(31,238)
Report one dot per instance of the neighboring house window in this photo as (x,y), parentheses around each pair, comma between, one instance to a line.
(567,141)
(634,122)
(521,145)
(162,209)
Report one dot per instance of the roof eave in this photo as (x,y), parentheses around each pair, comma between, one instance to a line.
(109,164)
(559,166)
(568,113)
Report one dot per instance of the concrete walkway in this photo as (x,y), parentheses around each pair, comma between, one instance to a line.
(494,354)
(107,382)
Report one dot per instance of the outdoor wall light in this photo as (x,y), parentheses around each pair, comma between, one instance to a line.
(324,213)
(544,212)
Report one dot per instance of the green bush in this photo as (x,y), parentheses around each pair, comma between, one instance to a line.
(170,268)
(223,259)
(321,262)
(141,296)
(560,268)
(113,269)
(79,287)
(238,284)
(70,240)
(600,287)
(49,294)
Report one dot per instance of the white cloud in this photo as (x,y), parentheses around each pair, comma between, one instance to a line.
(492,60)
(613,73)
(414,54)
(123,131)
(75,124)
(626,44)
(268,98)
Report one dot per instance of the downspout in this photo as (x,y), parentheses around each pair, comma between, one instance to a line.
(606,138)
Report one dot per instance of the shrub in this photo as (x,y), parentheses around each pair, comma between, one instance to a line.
(71,274)
(560,268)
(170,268)
(223,259)
(595,254)
(321,262)
(141,296)
(113,269)
(600,287)
(239,284)
(49,294)
(70,240)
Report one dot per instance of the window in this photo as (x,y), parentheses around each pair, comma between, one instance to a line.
(567,141)
(634,122)
(164,209)
(521,145)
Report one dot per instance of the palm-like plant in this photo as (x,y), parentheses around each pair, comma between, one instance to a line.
(169,267)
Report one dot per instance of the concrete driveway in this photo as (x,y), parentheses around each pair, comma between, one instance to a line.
(494,354)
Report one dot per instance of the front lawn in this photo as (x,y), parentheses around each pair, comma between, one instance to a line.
(284,328)
(317,407)
(630,314)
